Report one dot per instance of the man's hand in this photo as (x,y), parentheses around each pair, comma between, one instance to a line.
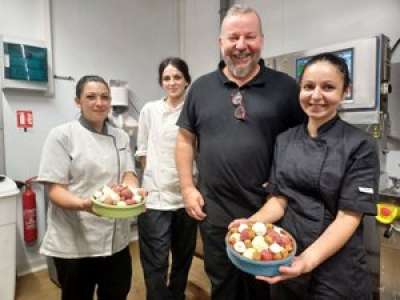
(194,203)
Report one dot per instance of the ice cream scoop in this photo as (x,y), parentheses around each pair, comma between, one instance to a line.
(242,227)
(239,247)
(259,243)
(259,228)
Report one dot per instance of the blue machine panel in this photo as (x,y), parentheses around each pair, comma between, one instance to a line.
(25,62)
(346,54)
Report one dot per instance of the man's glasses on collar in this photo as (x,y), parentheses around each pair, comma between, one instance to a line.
(237,101)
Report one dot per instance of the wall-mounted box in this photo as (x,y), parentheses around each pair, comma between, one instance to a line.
(24,64)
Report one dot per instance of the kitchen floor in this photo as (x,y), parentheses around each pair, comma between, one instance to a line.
(37,286)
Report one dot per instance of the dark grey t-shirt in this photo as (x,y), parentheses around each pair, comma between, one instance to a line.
(234,156)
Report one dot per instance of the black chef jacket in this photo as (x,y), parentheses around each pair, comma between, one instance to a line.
(337,170)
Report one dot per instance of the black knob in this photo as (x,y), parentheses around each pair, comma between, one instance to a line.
(388,232)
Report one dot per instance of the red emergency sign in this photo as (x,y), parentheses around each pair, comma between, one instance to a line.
(24,119)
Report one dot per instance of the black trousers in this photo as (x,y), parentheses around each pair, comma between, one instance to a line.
(159,233)
(227,282)
(112,275)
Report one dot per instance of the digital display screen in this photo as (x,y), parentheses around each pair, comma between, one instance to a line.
(25,62)
(346,54)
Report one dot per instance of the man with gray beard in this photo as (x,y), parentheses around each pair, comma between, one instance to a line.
(228,124)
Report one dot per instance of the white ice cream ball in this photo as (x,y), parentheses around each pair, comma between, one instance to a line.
(109,192)
(239,246)
(278,230)
(98,195)
(242,227)
(235,237)
(249,253)
(259,243)
(275,248)
(259,228)
(138,198)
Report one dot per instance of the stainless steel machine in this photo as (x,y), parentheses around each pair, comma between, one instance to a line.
(366,106)
(389,217)
(369,65)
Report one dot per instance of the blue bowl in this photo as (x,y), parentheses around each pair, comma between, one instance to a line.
(258,267)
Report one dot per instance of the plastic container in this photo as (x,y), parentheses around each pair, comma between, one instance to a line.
(117,212)
(8,227)
(258,267)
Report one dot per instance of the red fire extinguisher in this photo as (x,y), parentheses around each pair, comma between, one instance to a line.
(29,212)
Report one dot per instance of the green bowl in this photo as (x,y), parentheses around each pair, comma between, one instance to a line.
(118,212)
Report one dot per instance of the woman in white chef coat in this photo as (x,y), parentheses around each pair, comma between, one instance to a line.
(78,158)
(164,227)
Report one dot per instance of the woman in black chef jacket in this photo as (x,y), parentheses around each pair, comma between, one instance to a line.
(323,181)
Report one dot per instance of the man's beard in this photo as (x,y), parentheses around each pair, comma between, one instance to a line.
(241,72)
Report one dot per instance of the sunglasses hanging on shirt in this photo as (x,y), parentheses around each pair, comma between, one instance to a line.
(237,101)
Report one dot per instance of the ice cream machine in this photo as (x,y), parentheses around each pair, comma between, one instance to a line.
(368,61)
(389,206)
(388,216)
(366,106)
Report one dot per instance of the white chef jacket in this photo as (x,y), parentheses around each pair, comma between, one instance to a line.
(77,156)
(156,140)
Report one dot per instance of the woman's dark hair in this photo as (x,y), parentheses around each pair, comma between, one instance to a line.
(88,78)
(333,59)
(177,63)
